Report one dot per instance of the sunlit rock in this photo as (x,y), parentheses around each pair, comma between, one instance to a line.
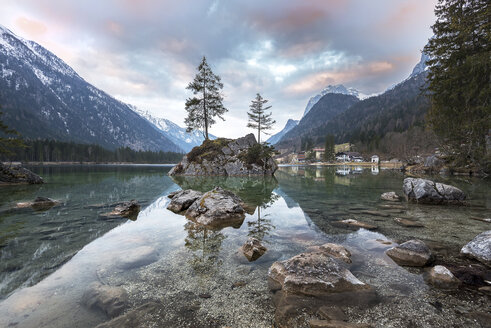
(441,277)
(390,196)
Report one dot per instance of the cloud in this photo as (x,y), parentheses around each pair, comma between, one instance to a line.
(145,52)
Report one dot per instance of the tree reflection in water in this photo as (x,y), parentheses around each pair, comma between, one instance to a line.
(205,245)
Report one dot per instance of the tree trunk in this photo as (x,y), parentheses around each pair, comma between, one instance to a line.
(204,108)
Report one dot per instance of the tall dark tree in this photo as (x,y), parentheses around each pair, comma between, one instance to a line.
(329,148)
(258,118)
(9,140)
(207,101)
(459,77)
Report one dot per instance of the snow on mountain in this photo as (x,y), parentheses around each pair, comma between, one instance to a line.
(42,97)
(277,137)
(177,134)
(421,66)
(338,88)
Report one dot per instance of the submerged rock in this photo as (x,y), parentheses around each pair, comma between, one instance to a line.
(138,257)
(243,156)
(314,274)
(253,249)
(315,323)
(408,223)
(111,300)
(128,210)
(390,196)
(18,175)
(429,192)
(355,223)
(39,204)
(411,253)
(217,208)
(181,200)
(441,277)
(479,248)
(139,317)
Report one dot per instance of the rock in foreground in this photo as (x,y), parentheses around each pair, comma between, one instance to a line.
(479,248)
(217,208)
(411,253)
(429,192)
(441,277)
(253,249)
(314,274)
(18,175)
(243,156)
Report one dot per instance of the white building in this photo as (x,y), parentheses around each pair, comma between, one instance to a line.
(375,159)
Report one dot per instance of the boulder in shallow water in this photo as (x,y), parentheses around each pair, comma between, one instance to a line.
(39,204)
(253,249)
(181,200)
(111,300)
(479,248)
(441,277)
(411,253)
(390,196)
(217,208)
(18,175)
(355,224)
(315,274)
(128,210)
(137,257)
(429,192)
(337,251)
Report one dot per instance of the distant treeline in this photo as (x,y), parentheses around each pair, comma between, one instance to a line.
(57,151)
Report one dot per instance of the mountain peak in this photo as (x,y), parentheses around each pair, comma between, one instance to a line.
(336,88)
(421,65)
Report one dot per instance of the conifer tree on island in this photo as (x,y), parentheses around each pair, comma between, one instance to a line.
(207,101)
(460,79)
(258,119)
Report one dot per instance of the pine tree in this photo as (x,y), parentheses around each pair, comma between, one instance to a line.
(9,140)
(258,119)
(459,78)
(207,103)
(329,148)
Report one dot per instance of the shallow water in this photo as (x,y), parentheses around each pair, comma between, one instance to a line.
(195,277)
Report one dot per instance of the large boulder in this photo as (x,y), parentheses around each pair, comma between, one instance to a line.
(479,248)
(18,175)
(109,299)
(316,274)
(217,208)
(242,156)
(411,253)
(181,200)
(429,192)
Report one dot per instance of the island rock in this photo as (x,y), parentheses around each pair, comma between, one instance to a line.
(217,208)
(242,156)
(479,248)
(430,192)
(411,253)
(315,274)
(18,175)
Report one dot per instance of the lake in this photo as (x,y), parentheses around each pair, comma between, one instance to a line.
(179,274)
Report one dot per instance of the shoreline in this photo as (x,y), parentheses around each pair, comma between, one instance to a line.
(86,163)
(395,166)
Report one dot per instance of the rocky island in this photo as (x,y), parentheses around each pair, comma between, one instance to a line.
(227,157)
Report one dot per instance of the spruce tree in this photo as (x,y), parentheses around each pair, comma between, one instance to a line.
(329,148)
(207,102)
(258,118)
(9,140)
(459,78)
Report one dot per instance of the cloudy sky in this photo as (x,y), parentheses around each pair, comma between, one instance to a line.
(145,52)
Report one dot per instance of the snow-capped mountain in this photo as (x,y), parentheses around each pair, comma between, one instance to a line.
(42,97)
(421,66)
(277,137)
(338,88)
(174,132)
